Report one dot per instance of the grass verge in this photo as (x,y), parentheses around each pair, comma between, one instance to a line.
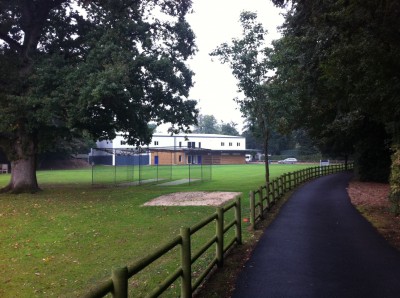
(62,240)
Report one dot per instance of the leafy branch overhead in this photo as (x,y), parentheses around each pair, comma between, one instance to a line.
(69,68)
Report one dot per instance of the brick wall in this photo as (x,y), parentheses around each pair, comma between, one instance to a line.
(232,159)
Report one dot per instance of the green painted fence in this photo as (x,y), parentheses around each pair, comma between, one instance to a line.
(262,199)
(117,284)
(267,195)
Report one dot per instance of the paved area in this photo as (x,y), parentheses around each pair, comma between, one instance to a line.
(139,183)
(178,182)
(320,246)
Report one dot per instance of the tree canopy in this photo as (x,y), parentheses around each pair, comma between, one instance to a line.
(338,61)
(72,68)
(208,124)
(249,60)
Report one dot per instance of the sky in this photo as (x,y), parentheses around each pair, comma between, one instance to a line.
(215,22)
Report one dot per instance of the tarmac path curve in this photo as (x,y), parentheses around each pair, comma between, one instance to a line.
(320,246)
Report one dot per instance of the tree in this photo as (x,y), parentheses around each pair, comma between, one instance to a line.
(248,58)
(207,124)
(339,59)
(69,68)
(229,129)
(251,141)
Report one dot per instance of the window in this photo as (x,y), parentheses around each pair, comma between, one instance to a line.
(123,142)
(180,158)
(155,142)
(199,144)
(180,144)
(191,144)
(238,144)
(230,143)
(222,144)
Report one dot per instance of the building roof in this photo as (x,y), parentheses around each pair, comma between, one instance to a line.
(197,135)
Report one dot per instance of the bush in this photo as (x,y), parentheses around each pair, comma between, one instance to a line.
(394,196)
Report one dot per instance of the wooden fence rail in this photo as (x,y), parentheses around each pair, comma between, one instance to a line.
(261,200)
(267,195)
(117,284)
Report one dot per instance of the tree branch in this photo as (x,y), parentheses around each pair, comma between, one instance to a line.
(11,42)
(34,16)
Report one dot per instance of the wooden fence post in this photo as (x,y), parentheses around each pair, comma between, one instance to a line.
(220,237)
(186,263)
(238,216)
(284,183)
(252,210)
(120,282)
(272,185)
(260,198)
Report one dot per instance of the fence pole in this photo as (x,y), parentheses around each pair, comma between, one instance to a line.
(273,190)
(260,197)
(186,263)
(284,183)
(220,237)
(115,174)
(238,215)
(120,282)
(252,210)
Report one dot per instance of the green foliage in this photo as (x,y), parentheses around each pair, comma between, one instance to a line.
(96,69)
(337,63)
(229,129)
(372,157)
(206,124)
(394,196)
(248,57)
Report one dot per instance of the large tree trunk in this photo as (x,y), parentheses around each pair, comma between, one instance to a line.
(23,167)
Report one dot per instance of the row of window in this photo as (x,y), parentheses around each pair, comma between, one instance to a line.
(190,144)
(230,144)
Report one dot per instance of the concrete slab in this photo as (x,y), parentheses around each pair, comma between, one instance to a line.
(178,182)
(141,182)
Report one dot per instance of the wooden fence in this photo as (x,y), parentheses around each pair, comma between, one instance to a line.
(117,284)
(262,199)
(267,196)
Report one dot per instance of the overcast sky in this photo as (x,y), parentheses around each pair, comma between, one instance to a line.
(215,22)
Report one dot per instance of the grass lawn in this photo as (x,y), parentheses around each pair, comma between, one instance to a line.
(62,240)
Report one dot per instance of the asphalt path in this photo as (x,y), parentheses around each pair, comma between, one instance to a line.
(320,246)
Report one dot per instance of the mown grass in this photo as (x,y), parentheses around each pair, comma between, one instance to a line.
(67,237)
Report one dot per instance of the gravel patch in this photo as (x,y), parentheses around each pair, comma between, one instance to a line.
(197,198)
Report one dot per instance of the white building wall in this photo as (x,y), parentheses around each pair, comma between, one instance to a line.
(207,141)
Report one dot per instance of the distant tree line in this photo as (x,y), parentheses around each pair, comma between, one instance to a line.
(208,124)
(297,140)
